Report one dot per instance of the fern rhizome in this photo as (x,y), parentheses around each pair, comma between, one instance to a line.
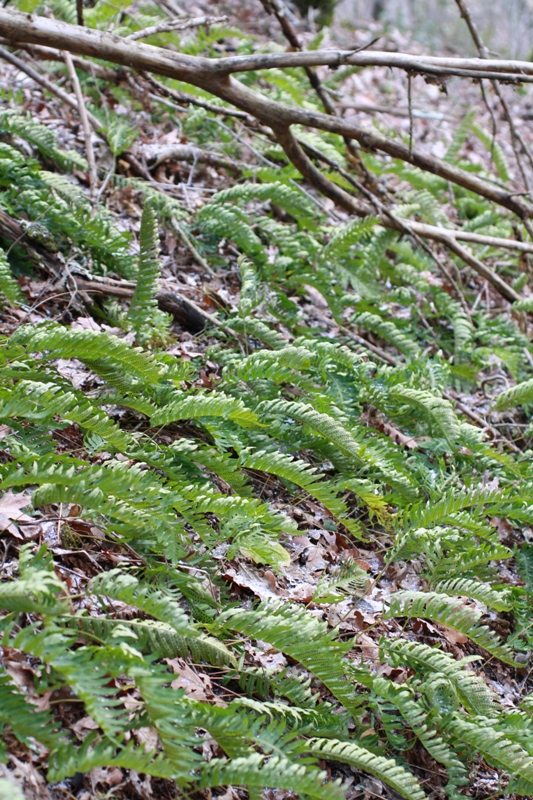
(288,554)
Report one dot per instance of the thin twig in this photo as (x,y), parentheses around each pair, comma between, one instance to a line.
(93,177)
(190,246)
(175,25)
(410,105)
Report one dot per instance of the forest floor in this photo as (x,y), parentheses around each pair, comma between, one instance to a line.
(80,548)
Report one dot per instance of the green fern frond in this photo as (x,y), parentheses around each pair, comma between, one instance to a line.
(257,772)
(159,637)
(492,745)
(439,410)
(389,332)
(385,769)
(39,593)
(232,223)
(500,599)
(495,150)
(471,689)
(452,613)
(92,753)
(143,307)
(83,669)
(459,138)
(314,647)
(88,346)
(298,472)
(41,137)
(354,232)
(419,721)
(445,509)
(519,395)
(333,431)
(24,720)
(349,579)
(9,288)
(161,605)
(259,330)
(187,406)
(249,296)
(290,200)
(44,400)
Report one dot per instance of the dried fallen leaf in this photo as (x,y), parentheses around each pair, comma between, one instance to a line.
(10,511)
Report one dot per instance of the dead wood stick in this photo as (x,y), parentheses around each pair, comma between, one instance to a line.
(175,25)
(185,311)
(15,26)
(190,246)
(190,316)
(186,99)
(93,177)
(12,230)
(499,284)
(434,232)
(212,75)
(187,152)
(190,153)
(79,12)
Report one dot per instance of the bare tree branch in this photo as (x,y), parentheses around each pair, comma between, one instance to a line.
(175,25)
(206,74)
(211,75)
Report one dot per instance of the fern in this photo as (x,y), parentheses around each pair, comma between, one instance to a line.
(41,138)
(420,722)
(259,772)
(440,411)
(389,332)
(288,425)
(493,745)
(385,769)
(89,346)
(205,405)
(519,395)
(143,314)
(9,288)
(452,613)
(351,234)
(316,649)
(492,598)
(349,579)
(472,691)
(291,200)
(496,152)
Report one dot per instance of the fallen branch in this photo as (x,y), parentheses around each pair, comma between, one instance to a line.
(213,76)
(190,316)
(186,152)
